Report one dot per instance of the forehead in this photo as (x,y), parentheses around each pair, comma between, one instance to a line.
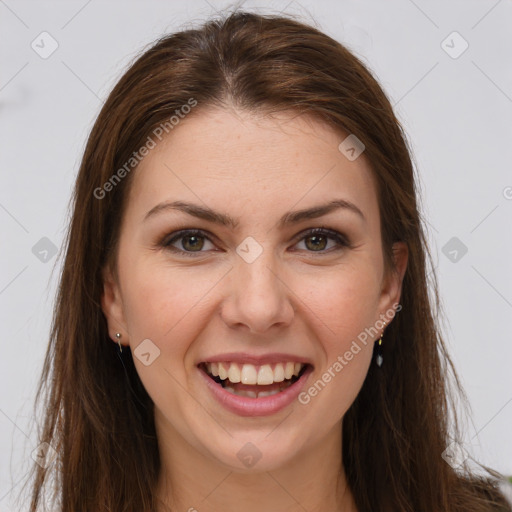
(231,158)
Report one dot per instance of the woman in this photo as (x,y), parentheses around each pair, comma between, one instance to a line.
(243,317)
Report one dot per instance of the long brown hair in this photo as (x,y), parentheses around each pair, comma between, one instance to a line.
(97,414)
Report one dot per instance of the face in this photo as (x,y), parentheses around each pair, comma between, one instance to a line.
(248,278)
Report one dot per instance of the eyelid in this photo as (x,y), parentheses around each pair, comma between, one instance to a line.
(168,239)
(330,233)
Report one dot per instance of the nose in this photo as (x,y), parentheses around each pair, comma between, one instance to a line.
(258,297)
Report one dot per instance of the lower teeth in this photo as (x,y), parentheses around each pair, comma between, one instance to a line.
(252,394)
(256,394)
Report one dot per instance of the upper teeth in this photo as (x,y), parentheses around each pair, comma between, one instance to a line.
(250,374)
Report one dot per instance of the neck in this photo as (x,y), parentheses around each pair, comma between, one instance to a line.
(313,480)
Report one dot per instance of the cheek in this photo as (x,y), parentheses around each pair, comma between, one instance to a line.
(165,304)
(345,300)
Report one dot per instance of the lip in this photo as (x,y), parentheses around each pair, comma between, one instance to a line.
(265,406)
(257,360)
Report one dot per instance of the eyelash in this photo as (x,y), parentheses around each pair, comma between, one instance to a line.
(341,240)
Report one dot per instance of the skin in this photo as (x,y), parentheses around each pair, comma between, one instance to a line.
(291,299)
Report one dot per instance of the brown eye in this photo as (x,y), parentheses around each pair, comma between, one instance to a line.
(324,241)
(316,242)
(192,242)
(188,242)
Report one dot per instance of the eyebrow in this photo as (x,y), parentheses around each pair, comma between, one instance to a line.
(205,213)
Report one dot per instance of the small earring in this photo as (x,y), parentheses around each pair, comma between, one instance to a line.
(118,336)
(379,359)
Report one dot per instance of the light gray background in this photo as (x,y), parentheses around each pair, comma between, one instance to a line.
(456,111)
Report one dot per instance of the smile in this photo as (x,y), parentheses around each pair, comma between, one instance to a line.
(255,390)
(254,381)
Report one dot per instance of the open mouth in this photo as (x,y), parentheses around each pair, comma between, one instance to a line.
(252,381)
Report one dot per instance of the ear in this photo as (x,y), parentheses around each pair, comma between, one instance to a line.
(392,283)
(112,306)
